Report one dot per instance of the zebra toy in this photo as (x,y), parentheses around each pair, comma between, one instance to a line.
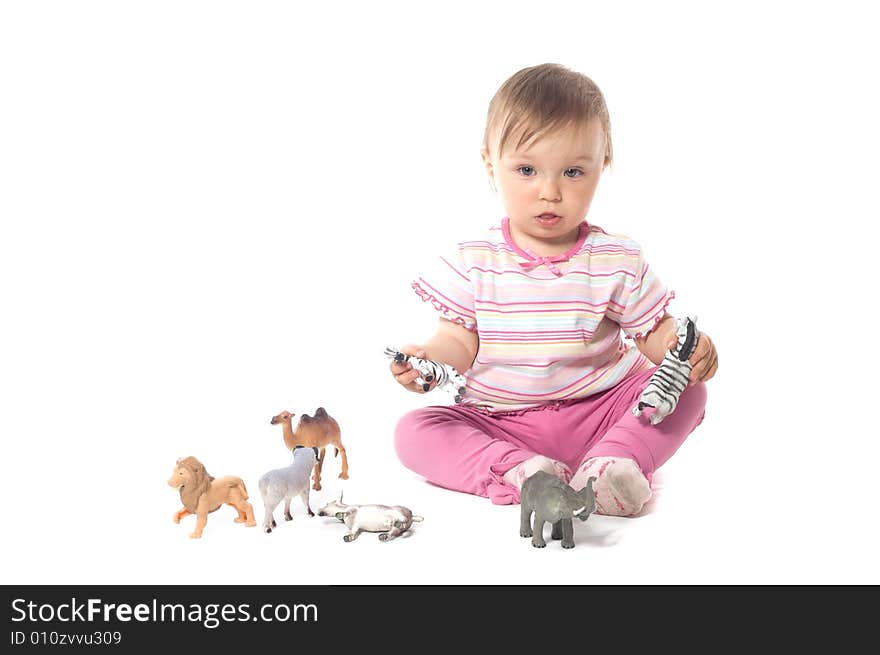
(429,371)
(671,378)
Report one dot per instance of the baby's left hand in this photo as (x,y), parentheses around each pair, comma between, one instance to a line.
(704,360)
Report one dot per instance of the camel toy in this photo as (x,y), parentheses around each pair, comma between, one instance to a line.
(316,431)
(202,494)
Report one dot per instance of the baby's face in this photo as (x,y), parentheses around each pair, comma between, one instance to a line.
(546,186)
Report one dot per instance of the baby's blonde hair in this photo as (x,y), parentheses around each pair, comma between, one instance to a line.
(541,100)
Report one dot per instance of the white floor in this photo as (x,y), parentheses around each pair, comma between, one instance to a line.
(197,236)
(100,519)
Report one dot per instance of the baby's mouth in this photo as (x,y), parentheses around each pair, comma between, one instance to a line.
(548,218)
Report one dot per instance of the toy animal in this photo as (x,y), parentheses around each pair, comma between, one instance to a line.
(333,508)
(389,521)
(286,483)
(429,370)
(552,500)
(202,494)
(671,377)
(316,431)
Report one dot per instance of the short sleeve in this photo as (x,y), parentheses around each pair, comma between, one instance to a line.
(445,284)
(640,301)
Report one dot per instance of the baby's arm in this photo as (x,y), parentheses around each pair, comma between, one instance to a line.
(452,344)
(657,343)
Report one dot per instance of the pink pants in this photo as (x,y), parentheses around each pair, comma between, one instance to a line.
(466,449)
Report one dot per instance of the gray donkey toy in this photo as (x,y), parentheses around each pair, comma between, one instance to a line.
(553,500)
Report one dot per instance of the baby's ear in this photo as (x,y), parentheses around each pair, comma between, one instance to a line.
(487,162)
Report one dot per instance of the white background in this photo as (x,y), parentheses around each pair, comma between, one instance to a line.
(211,212)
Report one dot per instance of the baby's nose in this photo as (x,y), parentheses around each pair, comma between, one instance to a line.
(549,191)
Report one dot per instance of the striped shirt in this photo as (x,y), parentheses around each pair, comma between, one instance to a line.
(549,327)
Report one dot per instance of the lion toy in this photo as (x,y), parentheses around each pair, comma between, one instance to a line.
(202,494)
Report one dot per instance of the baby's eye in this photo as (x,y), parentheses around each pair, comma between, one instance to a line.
(527,171)
(573,172)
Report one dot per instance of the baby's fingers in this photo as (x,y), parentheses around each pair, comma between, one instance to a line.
(412,380)
(411,350)
(398,368)
(705,368)
(408,377)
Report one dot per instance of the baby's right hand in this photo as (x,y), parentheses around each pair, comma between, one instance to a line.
(404,372)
